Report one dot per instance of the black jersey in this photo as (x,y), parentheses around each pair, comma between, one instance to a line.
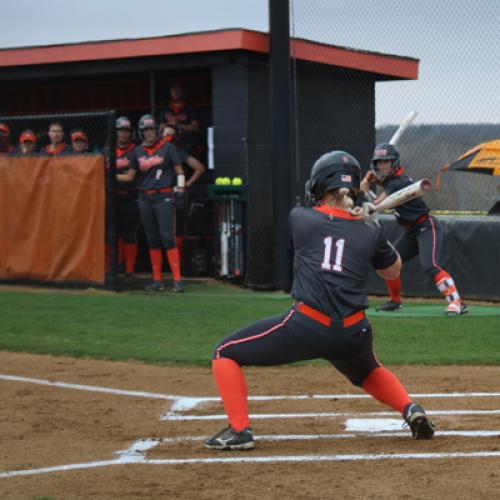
(155,165)
(333,255)
(125,160)
(408,212)
(181,114)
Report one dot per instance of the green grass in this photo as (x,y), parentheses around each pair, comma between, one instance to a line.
(183,329)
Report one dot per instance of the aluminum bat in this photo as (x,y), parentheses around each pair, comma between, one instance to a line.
(403,195)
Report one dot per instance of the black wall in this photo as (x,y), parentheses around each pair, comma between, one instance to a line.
(470,254)
(336,110)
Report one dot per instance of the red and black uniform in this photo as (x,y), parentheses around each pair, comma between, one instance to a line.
(180,113)
(155,182)
(61,149)
(7,149)
(334,252)
(423,236)
(126,208)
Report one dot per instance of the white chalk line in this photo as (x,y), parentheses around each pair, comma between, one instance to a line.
(326,415)
(318,437)
(135,456)
(183,403)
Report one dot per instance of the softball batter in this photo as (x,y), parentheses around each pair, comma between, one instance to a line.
(334,250)
(422,236)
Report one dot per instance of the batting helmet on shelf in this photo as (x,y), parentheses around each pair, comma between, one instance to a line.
(333,170)
(385,152)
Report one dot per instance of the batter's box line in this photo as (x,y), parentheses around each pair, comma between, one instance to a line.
(185,403)
(169,416)
(136,455)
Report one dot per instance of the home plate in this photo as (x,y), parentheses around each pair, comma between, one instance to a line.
(373,424)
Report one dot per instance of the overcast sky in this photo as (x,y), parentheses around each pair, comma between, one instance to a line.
(457,41)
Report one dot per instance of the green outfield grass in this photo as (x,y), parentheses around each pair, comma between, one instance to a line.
(183,329)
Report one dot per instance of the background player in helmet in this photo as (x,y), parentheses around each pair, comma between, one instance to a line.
(422,232)
(334,251)
(127,211)
(158,169)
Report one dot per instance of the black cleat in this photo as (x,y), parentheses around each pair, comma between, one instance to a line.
(390,306)
(228,439)
(178,288)
(456,308)
(155,286)
(421,427)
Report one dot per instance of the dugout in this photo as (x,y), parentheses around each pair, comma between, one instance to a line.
(226,75)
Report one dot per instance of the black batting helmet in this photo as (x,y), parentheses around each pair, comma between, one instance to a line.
(333,170)
(147,121)
(123,122)
(385,151)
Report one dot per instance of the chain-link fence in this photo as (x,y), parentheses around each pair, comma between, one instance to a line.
(456,44)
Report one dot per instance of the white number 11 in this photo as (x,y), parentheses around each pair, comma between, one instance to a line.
(328,254)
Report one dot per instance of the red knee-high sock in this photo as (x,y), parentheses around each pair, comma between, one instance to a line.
(394,287)
(179,242)
(121,250)
(156,259)
(233,392)
(130,251)
(384,386)
(174,263)
(446,286)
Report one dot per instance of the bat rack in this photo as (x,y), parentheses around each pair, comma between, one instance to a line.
(229,242)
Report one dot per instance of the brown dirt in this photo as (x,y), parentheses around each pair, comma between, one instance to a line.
(44,426)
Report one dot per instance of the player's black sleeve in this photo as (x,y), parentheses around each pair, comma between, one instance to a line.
(173,155)
(385,254)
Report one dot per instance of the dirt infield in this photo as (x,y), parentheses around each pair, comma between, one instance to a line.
(75,415)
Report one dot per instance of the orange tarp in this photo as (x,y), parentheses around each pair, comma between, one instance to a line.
(52,218)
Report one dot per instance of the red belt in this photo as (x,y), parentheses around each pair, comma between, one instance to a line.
(157,191)
(419,221)
(326,320)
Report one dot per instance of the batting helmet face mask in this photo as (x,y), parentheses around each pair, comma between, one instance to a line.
(385,152)
(334,170)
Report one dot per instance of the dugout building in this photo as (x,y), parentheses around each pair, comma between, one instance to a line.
(226,75)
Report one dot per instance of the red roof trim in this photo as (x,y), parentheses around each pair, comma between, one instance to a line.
(237,39)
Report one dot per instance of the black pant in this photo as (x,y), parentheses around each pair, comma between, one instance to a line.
(424,240)
(292,336)
(127,214)
(158,219)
